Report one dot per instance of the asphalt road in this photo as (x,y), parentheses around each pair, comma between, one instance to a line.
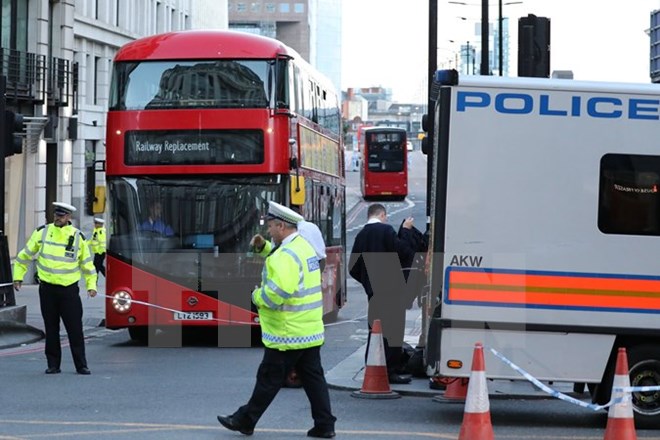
(141,392)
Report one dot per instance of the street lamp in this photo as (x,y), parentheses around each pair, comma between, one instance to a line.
(465,51)
(499,34)
(484,31)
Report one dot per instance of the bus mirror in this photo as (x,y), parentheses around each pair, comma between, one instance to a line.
(98,206)
(297,190)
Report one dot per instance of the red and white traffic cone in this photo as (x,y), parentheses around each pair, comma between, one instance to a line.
(620,421)
(476,416)
(457,388)
(376,384)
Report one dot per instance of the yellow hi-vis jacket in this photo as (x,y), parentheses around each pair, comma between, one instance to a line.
(98,240)
(289,299)
(61,253)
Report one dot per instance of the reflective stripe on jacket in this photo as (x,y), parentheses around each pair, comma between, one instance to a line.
(289,299)
(61,254)
(98,240)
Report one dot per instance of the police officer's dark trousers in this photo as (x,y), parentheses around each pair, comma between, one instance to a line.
(62,302)
(270,379)
(99,259)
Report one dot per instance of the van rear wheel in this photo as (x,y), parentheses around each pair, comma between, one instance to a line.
(644,370)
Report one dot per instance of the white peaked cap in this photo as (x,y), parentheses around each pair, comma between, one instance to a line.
(281,212)
(65,207)
(99,220)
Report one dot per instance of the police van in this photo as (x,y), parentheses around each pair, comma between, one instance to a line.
(545,231)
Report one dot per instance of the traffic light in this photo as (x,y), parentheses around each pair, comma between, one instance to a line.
(13,141)
(534,46)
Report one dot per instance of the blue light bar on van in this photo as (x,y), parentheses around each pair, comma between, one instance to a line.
(447,77)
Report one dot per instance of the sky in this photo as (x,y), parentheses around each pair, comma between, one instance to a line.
(384,42)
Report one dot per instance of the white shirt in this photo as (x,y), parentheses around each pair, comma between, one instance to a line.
(310,232)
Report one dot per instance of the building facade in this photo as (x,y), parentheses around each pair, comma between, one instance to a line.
(654,34)
(470,51)
(310,27)
(61,54)
(373,106)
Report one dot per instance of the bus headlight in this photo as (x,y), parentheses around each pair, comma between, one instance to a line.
(122,301)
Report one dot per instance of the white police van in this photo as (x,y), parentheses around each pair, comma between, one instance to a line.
(545,231)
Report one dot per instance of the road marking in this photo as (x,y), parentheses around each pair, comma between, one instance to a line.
(135,427)
(128,427)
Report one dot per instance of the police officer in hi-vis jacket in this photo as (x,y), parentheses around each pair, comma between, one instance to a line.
(98,245)
(62,253)
(290,305)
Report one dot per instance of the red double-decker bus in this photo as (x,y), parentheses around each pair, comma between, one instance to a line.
(204,128)
(384,170)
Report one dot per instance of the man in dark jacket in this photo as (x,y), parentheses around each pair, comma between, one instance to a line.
(376,264)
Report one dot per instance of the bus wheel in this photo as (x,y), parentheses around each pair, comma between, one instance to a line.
(139,333)
(644,364)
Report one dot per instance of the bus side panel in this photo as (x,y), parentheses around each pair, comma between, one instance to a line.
(332,280)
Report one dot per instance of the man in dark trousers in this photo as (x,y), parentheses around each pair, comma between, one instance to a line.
(290,305)
(62,255)
(376,264)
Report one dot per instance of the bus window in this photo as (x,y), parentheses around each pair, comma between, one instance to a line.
(385,153)
(190,84)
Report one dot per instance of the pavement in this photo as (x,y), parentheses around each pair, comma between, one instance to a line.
(23,325)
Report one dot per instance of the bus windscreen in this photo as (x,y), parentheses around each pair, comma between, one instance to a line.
(190,84)
(385,152)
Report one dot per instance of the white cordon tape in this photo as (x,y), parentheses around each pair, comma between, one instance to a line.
(229,321)
(638,389)
(561,396)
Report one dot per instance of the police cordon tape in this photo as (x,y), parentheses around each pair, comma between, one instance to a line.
(569,399)
(230,321)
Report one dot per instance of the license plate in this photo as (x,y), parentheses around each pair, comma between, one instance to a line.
(193,316)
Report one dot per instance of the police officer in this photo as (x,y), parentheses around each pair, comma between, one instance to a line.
(290,305)
(62,253)
(98,245)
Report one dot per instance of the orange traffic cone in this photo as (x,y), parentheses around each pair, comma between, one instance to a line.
(620,422)
(457,388)
(476,417)
(376,384)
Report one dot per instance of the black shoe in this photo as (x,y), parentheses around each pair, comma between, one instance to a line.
(320,433)
(231,424)
(83,370)
(52,370)
(399,379)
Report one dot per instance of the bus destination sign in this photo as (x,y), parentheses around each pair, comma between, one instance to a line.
(194,147)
